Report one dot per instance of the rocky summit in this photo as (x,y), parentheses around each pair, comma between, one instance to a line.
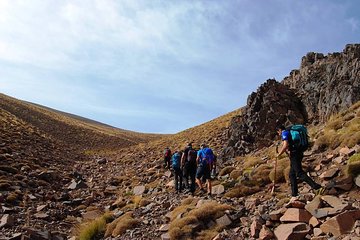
(66,177)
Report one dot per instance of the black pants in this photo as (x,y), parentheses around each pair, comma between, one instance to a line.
(167,162)
(189,174)
(178,179)
(296,171)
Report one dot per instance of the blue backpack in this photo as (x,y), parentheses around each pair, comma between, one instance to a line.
(207,155)
(299,137)
(176,161)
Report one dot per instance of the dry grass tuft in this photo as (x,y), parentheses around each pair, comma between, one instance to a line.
(353,166)
(182,228)
(226,170)
(235,174)
(282,164)
(252,161)
(120,225)
(342,129)
(93,229)
(207,234)
(241,191)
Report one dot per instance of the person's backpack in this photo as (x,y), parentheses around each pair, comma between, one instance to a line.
(176,161)
(207,155)
(167,153)
(299,137)
(191,157)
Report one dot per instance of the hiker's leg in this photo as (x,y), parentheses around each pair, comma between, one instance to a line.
(302,174)
(176,179)
(292,176)
(181,179)
(192,179)
(199,174)
(208,179)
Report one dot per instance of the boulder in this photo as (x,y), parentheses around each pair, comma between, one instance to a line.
(329,174)
(266,233)
(341,224)
(357,181)
(139,190)
(296,215)
(218,189)
(292,231)
(224,221)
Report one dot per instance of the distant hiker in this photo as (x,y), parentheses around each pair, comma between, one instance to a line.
(204,158)
(167,158)
(188,161)
(176,166)
(296,154)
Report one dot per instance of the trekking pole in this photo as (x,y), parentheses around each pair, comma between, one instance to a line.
(274,181)
(275,167)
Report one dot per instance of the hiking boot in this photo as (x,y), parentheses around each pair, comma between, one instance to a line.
(293,199)
(320,191)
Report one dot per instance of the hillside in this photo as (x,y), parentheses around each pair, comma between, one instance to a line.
(73,130)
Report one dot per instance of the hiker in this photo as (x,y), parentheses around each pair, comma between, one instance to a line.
(204,158)
(167,157)
(188,161)
(296,155)
(176,166)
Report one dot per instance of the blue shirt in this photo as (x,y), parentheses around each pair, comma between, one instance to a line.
(285,135)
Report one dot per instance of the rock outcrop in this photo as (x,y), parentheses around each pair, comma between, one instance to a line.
(327,84)
(323,86)
(255,127)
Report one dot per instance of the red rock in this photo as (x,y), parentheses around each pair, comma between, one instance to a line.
(296,215)
(313,205)
(255,228)
(314,222)
(292,231)
(341,224)
(266,234)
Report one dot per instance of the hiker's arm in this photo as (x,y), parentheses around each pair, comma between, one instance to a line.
(283,148)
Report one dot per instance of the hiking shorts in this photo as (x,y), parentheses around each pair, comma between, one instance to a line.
(203,171)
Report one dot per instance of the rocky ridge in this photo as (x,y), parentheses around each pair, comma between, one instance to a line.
(323,86)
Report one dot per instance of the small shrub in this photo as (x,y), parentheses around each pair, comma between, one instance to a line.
(261,174)
(12,197)
(178,230)
(207,234)
(353,166)
(281,166)
(226,170)
(335,124)
(209,210)
(252,161)
(120,225)
(241,191)
(235,174)
(4,186)
(90,230)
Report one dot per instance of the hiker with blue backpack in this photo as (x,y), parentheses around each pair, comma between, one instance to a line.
(204,159)
(295,142)
(177,168)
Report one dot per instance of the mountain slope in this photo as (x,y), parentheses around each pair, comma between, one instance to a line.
(79,132)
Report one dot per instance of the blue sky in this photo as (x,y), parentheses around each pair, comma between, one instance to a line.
(161,66)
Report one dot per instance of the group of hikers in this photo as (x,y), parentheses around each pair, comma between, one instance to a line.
(191,167)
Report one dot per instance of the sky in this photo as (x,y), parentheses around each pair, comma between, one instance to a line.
(161,66)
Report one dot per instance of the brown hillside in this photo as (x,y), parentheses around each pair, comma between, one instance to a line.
(83,133)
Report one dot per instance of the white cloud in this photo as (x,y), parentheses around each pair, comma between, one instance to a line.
(143,52)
